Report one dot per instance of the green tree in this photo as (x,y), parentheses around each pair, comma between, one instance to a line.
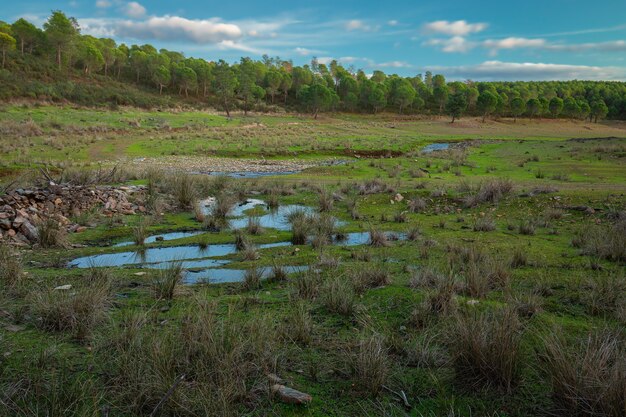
(316,97)
(571,108)
(440,95)
(456,105)
(162,77)
(7,43)
(404,96)
(533,106)
(599,110)
(247,82)
(91,57)
(25,33)
(273,79)
(61,32)
(556,106)
(518,107)
(487,102)
(224,84)
(377,98)
(187,80)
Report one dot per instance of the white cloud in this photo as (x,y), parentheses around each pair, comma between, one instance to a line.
(609,46)
(393,23)
(134,10)
(507,71)
(306,51)
(175,28)
(453,44)
(103,4)
(457,28)
(512,43)
(356,24)
(395,64)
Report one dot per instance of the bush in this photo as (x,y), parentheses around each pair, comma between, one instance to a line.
(485,348)
(140,231)
(364,278)
(252,279)
(306,285)
(300,324)
(253,226)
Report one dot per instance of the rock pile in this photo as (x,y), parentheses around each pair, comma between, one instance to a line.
(22,209)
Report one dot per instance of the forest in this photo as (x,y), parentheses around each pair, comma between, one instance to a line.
(58,63)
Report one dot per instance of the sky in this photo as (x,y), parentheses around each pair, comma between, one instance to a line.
(478,39)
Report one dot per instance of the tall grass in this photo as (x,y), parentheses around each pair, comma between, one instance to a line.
(51,234)
(370,365)
(338,296)
(77,311)
(11,275)
(588,378)
(485,348)
(167,280)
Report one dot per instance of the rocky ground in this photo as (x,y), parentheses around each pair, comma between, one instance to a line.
(22,210)
(197,164)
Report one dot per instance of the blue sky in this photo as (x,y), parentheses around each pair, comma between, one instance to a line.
(481,40)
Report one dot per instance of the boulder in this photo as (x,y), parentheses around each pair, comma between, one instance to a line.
(29,231)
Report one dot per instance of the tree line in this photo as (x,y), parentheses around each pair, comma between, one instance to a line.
(61,51)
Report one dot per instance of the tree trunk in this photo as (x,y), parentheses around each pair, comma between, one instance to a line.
(22,46)
(484,115)
(106,69)
(59,56)
(227,109)
(315,114)
(452,119)
(160,88)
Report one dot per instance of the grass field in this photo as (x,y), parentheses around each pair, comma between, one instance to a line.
(505,294)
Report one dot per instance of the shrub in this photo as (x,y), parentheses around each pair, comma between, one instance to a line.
(300,227)
(413,233)
(400,217)
(250,253)
(278,274)
(167,280)
(485,348)
(588,378)
(370,365)
(241,240)
(77,311)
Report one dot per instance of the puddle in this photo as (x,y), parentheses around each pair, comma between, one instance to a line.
(164,236)
(436,147)
(151,257)
(195,256)
(272,219)
(219,276)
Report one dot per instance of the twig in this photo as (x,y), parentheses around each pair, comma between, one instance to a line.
(167,395)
